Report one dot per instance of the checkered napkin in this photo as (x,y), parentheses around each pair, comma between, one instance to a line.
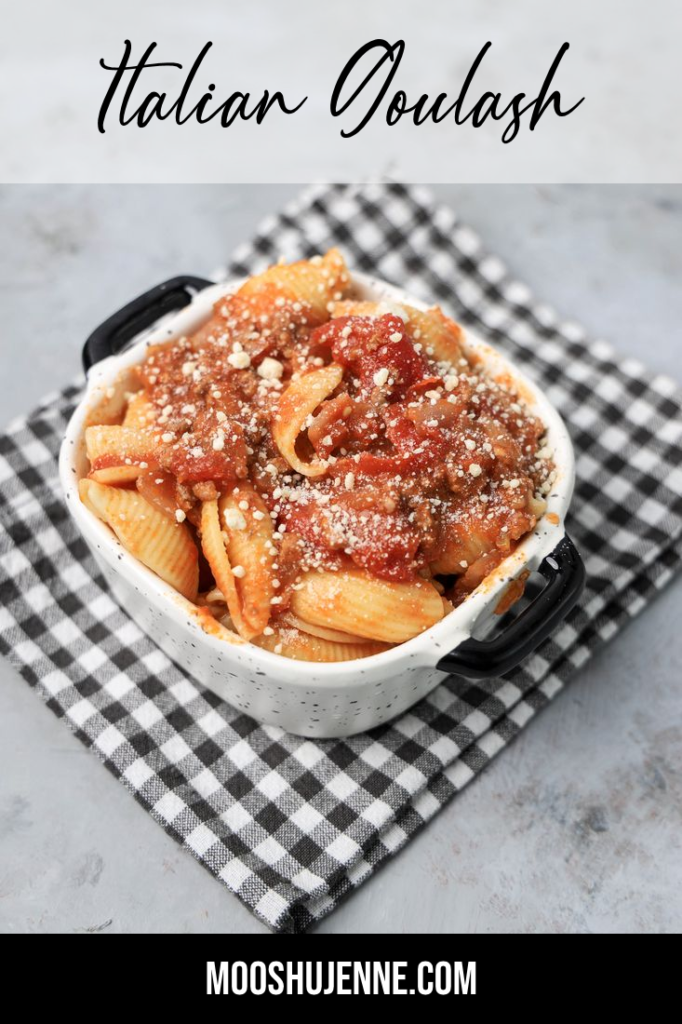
(288,824)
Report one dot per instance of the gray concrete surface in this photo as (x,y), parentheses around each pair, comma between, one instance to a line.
(578,825)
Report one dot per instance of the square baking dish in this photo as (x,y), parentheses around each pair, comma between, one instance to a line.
(309,698)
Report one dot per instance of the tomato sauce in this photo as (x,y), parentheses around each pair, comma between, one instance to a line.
(430,468)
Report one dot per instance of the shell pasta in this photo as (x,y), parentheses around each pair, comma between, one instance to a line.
(236,536)
(324,476)
(163,545)
(296,405)
(377,609)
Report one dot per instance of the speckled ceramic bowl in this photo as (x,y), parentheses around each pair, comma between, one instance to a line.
(308,698)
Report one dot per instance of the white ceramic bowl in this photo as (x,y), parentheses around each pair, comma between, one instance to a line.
(307,698)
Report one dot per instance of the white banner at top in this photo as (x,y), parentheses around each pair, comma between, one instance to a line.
(265,91)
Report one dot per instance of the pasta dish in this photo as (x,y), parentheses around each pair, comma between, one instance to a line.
(322,476)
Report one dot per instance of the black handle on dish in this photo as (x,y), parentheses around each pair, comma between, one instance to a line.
(482,659)
(111,336)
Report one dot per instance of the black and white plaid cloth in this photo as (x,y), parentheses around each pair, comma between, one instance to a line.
(288,824)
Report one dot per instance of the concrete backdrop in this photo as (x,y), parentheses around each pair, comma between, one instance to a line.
(577,826)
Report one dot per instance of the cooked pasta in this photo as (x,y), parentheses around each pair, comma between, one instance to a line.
(315,282)
(339,474)
(139,412)
(356,602)
(111,406)
(117,454)
(247,530)
(323,632)
(294,643)
(214,544)
(296,405)
(162,544)
(438,335)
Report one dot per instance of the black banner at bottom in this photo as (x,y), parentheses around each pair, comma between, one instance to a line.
(171,971)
